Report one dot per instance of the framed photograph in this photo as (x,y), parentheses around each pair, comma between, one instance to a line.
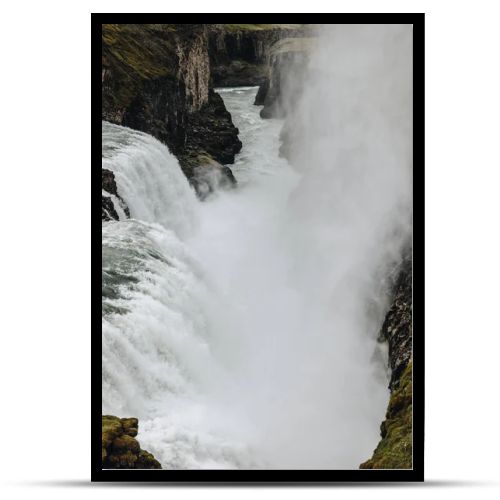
(262,248)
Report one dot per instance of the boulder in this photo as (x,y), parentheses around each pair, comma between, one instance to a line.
(120,449)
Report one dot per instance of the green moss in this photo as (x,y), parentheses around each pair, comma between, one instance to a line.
(259,27)
(146,460)
(395,448)
(145,49)
(111,429)
(120,449)
(134,54)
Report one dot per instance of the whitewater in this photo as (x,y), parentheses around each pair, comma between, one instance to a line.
(226,329)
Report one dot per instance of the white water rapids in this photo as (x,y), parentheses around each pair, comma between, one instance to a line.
(227,330)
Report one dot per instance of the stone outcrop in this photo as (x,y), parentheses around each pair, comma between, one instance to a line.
(111,201)
(210,134)
(394,450)
(208,175)
(120,449)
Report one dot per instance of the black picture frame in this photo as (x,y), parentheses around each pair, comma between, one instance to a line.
(259,477)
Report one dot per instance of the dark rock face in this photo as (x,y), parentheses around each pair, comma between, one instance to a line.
(120,449)
(212,132)
(260,98)
(397,326)
(239,53)
(156,78)
(394,450)
(108,209)
(207,175)
(239,74)
(288,59)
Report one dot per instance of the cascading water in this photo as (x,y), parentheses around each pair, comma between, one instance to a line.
(221,332)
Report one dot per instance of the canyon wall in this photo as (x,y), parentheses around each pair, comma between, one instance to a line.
(395,449)
(156,79)
(159,79)
(239,53)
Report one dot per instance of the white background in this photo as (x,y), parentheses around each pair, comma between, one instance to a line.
(45,248)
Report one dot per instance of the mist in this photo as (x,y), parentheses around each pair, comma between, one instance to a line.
(280,287)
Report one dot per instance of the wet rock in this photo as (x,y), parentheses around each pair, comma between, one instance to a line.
(110,196)
(260,98)
(397,326)
(120,449)
(394,450)
(211,131)
(207,175)
(288,59)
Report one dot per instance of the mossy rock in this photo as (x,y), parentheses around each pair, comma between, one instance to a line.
(395,448)
(146,460)
(111,429)
(120,449)
(134,55)
(142,48)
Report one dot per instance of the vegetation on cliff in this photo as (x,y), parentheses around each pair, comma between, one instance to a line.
(394,451)
(133,53)
(120,449)
(259,27)
(156,79)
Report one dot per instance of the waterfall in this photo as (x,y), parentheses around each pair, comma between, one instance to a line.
(227,329)
(156,352)
(148,178)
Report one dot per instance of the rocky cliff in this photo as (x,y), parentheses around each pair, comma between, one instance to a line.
(120,449)
(395,448)
(239,53)
(287,61)
(156,78)
(159,78)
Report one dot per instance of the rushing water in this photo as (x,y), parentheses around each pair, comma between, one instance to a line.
(215,334)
